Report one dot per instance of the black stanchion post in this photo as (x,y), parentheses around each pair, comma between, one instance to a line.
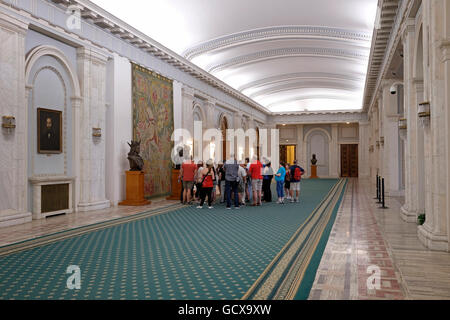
(377,187)
(383,203)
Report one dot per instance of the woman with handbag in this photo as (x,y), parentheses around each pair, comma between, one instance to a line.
(207,184)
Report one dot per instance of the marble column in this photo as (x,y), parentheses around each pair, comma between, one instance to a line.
(92,169)
(236,126)
(209,123)
(210,107)
(273,145)
(13,142)
(363,149)
(391,156)
(334,153)
(177,104)
(390,151)
(409,210)
(445,47)
(252,142)
(187,118)
(434,233)
(119,126)
(301,149)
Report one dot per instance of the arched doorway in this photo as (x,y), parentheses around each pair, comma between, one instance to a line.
(224,128)
(318,141)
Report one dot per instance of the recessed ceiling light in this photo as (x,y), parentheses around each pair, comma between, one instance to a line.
(348,122)
(284,124)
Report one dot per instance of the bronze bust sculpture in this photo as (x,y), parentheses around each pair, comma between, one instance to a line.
(313,160)
(136,161)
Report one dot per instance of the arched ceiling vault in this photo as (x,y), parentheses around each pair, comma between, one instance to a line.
(289,55)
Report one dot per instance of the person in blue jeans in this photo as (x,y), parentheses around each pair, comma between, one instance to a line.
(279,178)
(231,181)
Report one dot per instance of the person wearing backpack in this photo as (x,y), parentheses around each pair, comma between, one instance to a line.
(296,177)
(207,184)
(287,182)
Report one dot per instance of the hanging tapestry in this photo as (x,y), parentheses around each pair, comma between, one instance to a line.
(153,126)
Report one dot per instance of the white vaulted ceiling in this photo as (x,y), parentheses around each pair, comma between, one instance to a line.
(287,55)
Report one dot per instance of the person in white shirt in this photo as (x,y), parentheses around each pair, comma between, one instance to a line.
(242,174)
(198,180)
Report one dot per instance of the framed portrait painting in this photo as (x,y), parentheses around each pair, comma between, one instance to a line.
(49,127)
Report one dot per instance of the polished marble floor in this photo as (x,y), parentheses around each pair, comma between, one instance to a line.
(363,236)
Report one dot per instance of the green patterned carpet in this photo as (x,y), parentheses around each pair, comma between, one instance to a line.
(185,253)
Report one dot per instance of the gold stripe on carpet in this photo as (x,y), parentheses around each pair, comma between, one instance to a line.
(289,288)
(266,283)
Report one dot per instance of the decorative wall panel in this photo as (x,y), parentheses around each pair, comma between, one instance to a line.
(153,125)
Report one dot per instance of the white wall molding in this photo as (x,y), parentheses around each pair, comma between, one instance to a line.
(275,33)
(353,55)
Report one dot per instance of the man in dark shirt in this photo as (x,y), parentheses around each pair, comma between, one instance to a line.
(231,181)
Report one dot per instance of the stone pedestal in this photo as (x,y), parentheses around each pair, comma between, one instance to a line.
(135,189)
(176,186)
(313,172)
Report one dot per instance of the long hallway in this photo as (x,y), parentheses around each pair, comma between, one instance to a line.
(180,252)
(365,235)
(362,235)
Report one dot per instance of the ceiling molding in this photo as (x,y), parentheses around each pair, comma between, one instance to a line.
(100,18)
(289,52)
(293,118)
(300,75)
(306,84)
(312,96)
(275,33)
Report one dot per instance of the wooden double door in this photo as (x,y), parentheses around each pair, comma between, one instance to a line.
(349,160)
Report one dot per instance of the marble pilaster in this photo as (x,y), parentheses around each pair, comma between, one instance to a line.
(334,152)
(409,210)
(13,142)
(92,171)
(363,149)
(434,233)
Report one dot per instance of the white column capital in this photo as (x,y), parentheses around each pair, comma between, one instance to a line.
(445,48)
(364,123)
(13,24)
(418,84)
(76,102)
(84,53)
(210,102)
(187,92)
(408,28)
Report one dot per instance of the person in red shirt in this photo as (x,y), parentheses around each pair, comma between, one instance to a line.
(188,172)
(208,176)
(255,172)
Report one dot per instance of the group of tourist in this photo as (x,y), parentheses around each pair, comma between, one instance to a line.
(238,182)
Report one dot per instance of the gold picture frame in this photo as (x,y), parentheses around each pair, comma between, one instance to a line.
(49,131)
